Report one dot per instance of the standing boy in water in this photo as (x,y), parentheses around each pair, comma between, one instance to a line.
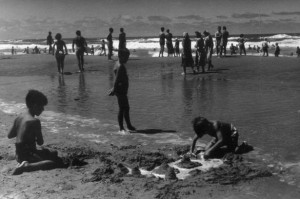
(277,50)
(80,48)
(224,134)
(110,43)
(224,41)
(208,47)
(120,89)
(61,51)
(27,131)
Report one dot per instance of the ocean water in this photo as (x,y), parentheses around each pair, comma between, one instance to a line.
(262,103)
(287,42)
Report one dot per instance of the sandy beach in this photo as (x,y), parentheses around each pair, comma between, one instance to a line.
(100,169)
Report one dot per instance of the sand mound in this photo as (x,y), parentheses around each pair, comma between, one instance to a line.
(186,163)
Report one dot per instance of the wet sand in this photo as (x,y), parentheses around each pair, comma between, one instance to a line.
(105,174)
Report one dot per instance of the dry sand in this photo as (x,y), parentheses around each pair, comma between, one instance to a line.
(105,174)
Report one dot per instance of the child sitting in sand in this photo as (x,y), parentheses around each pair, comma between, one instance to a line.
(224,134)
(27,131)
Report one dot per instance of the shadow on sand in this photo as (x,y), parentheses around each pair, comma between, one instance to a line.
(154,131)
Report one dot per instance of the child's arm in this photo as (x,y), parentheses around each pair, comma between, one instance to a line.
(53,49)
(112,91)
(13,131)
(196,137)
(73,46)
(214,145)
(38,132)
(66,48)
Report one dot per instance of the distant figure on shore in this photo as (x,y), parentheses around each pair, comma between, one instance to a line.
(249,47)
(120,89)
(223,134)
(162,42)
(26,50)
(200,52)
(36,50)
(232,49)
(122,39)
(60,50)
(187,57)
(103,49)
(208,47)
(81,44)
(218,36)
(277,50)
(110,43)
(50,41)
(12,50)
(177,51)
(169,43)
(242,42)
(27,131)
(258,49)
(265,48)
(224,41)
(92,50)
(298,51)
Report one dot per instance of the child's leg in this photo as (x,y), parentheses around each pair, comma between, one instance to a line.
(62,63)
(28,167)
(58,63)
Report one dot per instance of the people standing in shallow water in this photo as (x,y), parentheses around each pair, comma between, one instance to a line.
(242,42)
(187,58)
(27,131)
(277,50)
(265,48)
(169,43)
(50,41)
(162,42)
(224,134)
(120,89)
(218,36)
(208,47)
(224,41)
(110,43)
(200,52)
(80,43)
(60,50)
(177,51)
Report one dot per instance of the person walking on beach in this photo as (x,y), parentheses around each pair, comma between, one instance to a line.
(12,50)
(122,39)
(265,48)
(187,57)
(120,89)
(277,50)
(208,47)
(200,52)
(81,44)
(218,36)
(224,41)
(162,42)
(242,42)
(60,52)
(177,52)
(169,43)
(110,43)
(50,41)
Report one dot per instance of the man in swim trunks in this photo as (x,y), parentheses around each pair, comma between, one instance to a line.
(218,36)
(162,42)
(110,43)
(50,42)
(224,41)
(80,43)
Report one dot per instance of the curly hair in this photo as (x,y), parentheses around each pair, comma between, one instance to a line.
(200,124)
(35,97)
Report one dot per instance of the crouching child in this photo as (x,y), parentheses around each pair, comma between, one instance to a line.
(223,134)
